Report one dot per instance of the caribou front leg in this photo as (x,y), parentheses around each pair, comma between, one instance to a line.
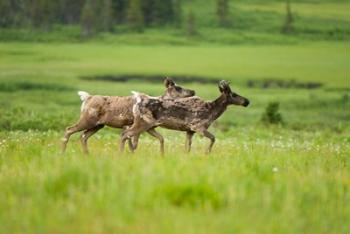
(189,136)
(211,137)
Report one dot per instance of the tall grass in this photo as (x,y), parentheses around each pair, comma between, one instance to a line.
(249,184)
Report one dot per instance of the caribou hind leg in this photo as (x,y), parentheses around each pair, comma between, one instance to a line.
(157,135)
(135,130)
(86,135)
(80,126)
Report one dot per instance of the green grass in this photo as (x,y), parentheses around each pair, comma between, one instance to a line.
(53,71)
(292,178)
(257,180)
(306,62)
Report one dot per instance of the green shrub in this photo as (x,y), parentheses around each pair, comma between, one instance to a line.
(345,99)
(271,114)
(193,196)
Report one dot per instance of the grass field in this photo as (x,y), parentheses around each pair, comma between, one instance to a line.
(24,67)
(293,177)
(256,180)
(283,179)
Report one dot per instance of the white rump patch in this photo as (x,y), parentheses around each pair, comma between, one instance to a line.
(83,95)
(135,108)
(136,96)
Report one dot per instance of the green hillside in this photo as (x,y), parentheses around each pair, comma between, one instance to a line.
(248,22)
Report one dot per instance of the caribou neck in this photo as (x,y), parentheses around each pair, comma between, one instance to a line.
(218,107)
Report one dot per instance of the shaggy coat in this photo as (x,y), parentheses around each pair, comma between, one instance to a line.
(193,115)
(114,111)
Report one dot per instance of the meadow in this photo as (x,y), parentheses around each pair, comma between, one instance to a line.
(30,72)
(287,178)
(290,177)
(273,180)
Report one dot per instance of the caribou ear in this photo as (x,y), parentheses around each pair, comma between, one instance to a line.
(224,86)
(168,82)
(221,88)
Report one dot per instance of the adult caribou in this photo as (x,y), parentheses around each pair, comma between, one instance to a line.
(115,111)
(192,115)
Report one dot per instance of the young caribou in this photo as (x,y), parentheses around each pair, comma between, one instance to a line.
(117,112)
(193,114)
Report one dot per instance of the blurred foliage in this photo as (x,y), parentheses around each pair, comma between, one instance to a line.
(243,21)
(272,114)
(13,86)
(199,195)
(191,24)
(223,11)
(258,179)
(288,23)
(38,82)
(44,13)
(255,181)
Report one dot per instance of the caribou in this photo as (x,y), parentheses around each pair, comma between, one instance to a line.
(117,112)
(192,114)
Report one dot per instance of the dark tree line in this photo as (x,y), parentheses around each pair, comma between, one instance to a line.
(39,13)
(222,11)
(288,23)
(102,15)
(92,14)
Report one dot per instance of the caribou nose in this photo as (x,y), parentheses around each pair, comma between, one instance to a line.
(246,103)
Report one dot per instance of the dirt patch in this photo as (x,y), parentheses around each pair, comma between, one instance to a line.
(152,78)
(283,84)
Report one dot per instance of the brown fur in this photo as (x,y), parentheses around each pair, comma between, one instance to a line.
(117,112)
(193,115)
